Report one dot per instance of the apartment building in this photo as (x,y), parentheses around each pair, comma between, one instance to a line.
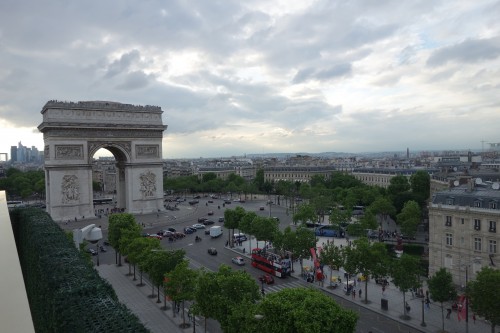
(463,230)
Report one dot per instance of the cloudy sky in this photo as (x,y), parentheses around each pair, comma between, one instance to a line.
(262,76)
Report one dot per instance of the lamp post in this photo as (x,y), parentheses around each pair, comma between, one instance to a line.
(97,249)
(423,324)
(466,300)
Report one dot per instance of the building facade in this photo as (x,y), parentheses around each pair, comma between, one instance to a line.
(463,230)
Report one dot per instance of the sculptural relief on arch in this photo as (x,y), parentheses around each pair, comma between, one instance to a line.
(74,131)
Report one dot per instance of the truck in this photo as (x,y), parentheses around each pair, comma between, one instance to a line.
(215,231)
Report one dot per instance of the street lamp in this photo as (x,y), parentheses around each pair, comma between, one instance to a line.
(423,324)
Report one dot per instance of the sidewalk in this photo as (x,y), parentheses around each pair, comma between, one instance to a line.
(138,300)
(394,297)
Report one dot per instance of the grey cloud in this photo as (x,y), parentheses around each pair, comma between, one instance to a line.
(122,64)
(322,74)
(469,51)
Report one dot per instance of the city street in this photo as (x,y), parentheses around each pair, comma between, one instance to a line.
(371,318)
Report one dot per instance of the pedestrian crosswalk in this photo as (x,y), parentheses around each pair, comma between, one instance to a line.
(292,284)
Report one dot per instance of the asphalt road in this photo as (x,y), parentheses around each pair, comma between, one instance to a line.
(369,321)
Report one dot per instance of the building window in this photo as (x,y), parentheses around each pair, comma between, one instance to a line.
(477,204)
(493,205)
(493,246)
(493,226)
(477,244)
(449,239)
(449,202)
(448,221)
(463,220)
(477,224)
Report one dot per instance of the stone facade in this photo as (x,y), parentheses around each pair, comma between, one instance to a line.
(74,131)
(463,230)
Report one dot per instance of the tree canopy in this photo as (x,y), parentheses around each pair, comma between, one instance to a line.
(484,295)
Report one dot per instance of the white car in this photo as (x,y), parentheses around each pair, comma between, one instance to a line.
(238,261)
(198,226)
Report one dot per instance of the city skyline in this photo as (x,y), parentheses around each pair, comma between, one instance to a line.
(264,76)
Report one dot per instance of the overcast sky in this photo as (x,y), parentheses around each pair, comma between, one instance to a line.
(240,77)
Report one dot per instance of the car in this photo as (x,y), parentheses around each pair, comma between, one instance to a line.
(210,212)
(167,233)
(189,230)
(240,237)
(201,219)
(382,281)
(221,219)
(210,201)
(92,252)
(212,251)
(236,200)
(208,222)
(196,197)
(198,226)
(160,237)
(261,208)
(276,218)
(238,261)
(207,231)
(227,201)
(267,279)
(193,202)
(171,229)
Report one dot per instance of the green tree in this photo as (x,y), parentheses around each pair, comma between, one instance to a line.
(220,293)
(409,218)
(383,208)
(304,241)
(208,177)
(420,183)
(442,289)
(137,248)
(398,184)
(118,223)
(305,212)
(484,295)
(246,225)
(259,179)
(333,256)
(265,228)
(180,285)
(158,263)
(301,310)
(366,258)
(405,272)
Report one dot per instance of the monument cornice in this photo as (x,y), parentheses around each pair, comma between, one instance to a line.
(99,133)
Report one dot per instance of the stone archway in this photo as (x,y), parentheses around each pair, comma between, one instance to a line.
(74,131)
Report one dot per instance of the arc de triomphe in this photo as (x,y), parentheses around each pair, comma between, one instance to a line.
(74,131)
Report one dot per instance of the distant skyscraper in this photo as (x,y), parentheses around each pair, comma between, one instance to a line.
(13,153)
(21,153)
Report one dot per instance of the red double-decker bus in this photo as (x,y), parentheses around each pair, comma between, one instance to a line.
(271,263)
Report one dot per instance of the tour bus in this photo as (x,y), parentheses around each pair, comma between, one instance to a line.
(329,231)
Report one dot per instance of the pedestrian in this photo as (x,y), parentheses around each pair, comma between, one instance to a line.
(448,313)
(383,290)
(353,293)
(360,293)
(474,317)
(427,303)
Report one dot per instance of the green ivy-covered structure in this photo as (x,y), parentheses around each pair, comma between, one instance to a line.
(65,292)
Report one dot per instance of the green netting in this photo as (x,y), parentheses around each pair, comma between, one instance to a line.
(65,293)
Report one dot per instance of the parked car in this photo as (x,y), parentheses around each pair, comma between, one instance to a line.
(261,208)
(212,251)
(267,279)
(92,252)
(171,229)
(208,222)
(160,237)
(382,281)
(238,261)
(210,201)
(201,219)
(198,226)
(189,230)
(240,237)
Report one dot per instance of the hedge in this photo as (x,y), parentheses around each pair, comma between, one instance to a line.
(66,294)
